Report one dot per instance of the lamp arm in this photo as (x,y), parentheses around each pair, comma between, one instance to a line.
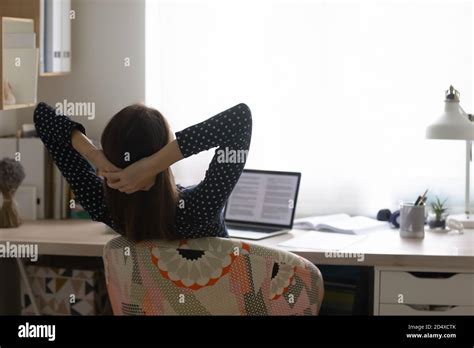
(467,206)
(468,176)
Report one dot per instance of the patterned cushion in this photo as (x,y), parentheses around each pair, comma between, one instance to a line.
(209,276)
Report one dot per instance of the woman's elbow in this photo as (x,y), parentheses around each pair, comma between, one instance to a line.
(246,113)
(41,112)
(37,121)
(245,110)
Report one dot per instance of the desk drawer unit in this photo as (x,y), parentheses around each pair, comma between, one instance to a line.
(401,309)
(424,293)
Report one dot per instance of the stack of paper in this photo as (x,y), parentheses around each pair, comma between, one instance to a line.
(322,241)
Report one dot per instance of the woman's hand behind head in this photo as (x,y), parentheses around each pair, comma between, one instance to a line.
(136,177)
(98,159)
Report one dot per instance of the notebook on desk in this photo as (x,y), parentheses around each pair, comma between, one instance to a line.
(340,223)
(322,241)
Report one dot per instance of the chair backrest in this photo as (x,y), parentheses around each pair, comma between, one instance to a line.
(209,276)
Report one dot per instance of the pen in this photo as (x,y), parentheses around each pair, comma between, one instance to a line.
(421,198)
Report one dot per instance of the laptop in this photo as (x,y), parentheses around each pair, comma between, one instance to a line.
(262,204)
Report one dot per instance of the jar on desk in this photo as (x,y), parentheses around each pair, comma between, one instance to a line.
(412,220)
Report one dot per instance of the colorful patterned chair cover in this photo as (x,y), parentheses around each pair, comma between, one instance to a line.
(209,276)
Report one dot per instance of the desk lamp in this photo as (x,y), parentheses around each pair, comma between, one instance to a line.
(455,124)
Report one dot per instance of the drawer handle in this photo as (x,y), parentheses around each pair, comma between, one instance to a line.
(433,275)
(430,308)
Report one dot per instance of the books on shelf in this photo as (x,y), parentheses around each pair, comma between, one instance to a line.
(52,36)
(61,195)
(55,36)
(340,223)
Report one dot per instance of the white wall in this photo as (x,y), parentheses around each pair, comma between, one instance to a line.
(103,34)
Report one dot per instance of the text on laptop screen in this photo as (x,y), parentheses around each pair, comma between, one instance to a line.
(263,198)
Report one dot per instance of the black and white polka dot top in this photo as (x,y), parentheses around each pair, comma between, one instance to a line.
(200,208)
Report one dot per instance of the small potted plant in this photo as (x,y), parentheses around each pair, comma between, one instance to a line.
(437,217)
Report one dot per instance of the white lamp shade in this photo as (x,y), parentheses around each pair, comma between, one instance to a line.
(453,124)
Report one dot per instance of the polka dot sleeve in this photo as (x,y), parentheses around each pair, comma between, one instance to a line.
(55,132)
(231,132)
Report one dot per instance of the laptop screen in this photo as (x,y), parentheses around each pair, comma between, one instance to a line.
(264,198)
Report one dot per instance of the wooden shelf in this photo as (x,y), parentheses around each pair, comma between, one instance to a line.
(18,106)
(35,9)
(31,14)
(52,74)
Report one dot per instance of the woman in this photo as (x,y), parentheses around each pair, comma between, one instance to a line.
(138,197)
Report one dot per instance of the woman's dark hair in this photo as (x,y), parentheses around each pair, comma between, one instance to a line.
(135,132)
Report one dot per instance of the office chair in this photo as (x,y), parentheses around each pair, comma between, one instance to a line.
(209,276)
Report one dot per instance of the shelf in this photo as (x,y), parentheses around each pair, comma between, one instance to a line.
(18,62)
(18,106)
(52,74)
(52,26)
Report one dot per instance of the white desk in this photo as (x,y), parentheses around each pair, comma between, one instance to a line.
(380,248)
(384,250)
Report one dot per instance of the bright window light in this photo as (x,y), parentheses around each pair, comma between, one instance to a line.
(341,91)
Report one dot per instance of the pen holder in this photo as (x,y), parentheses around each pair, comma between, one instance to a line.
(412,220)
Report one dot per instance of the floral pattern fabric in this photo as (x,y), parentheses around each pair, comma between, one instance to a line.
(209,276)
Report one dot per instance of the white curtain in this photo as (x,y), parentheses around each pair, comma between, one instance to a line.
(341,91)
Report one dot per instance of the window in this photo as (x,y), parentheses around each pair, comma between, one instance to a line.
(340,90)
